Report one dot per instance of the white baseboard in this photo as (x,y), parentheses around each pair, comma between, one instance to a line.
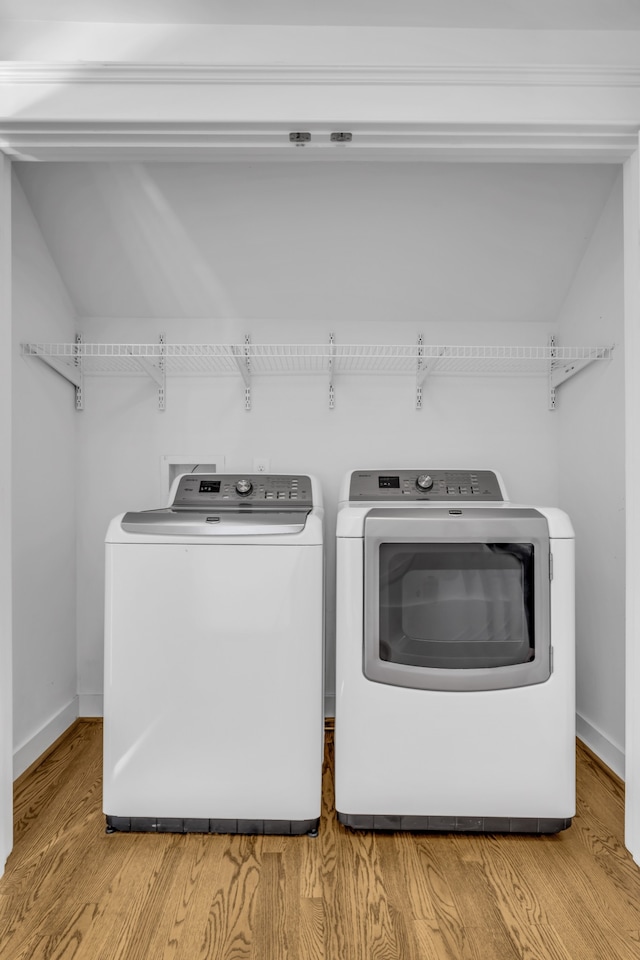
(90,705)
(608,751)
(35,745)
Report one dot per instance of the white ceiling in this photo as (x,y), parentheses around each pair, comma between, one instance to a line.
(497,14)
(371,241)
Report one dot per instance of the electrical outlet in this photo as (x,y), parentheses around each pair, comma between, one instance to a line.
(260,465)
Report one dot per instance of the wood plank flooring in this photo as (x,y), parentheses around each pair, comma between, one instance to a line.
(71,892)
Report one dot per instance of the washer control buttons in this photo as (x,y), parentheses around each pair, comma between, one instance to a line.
(244,487)
(424,482)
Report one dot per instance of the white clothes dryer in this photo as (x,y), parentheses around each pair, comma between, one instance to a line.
(455,689)
(214,637)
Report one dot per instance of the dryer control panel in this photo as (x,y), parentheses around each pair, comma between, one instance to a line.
(206,490)
(424,484)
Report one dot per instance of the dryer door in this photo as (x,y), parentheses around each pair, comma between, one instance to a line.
(457,599)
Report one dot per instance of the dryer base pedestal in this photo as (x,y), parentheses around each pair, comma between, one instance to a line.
(202,825)
(428,824)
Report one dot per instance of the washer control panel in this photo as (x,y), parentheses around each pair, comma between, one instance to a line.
(423,484)
(263,489)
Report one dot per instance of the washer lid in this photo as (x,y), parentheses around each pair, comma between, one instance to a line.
(219,521)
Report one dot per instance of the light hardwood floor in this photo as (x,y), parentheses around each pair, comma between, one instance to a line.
(71,892)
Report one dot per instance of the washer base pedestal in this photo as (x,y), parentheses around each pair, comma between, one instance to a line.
(394,822)
(203,825)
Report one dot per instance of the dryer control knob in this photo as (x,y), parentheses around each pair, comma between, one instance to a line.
(424,482)
(244,487)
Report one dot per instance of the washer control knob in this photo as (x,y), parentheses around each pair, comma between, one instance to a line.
(424,482)
(244,487)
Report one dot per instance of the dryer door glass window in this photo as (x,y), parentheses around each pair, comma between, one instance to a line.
(448,608)
(457,606)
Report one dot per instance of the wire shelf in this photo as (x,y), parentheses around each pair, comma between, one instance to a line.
(199,359)
(157,361)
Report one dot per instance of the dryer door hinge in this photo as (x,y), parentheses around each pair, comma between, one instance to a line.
(550,566)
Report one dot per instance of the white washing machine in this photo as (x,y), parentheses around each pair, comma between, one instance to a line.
(455,691)
(214,714)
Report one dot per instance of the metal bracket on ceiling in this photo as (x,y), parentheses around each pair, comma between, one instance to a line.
(242,356)
(300,137)
(332,353)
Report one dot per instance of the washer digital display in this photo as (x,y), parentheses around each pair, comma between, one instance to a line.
(209,486)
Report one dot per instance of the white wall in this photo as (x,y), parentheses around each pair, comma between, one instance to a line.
(308,240)
(44,477)
(592,489)
(6,651)
(631,226)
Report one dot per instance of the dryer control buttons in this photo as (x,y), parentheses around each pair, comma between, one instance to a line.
(244,487)
(380,486)
(424,482)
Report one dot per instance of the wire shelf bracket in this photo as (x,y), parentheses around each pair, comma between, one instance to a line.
(157,372)
(561,370)
(242,356)
(425,367)
(80,373)
(421,373)
(71,371)
(330,363)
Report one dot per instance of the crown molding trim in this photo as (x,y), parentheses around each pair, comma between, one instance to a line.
(77,131)
(527,74)
(188,141)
